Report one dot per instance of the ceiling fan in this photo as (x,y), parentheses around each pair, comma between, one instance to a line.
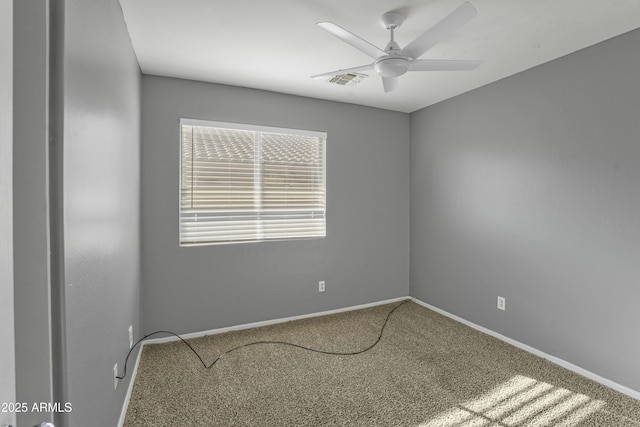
(392,62)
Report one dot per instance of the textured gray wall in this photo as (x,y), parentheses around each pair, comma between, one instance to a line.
(529,188)
(101,199)
(364,257)
(7,359)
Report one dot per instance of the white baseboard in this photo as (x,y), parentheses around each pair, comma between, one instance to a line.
(171,338)
(563,363)
(125,405)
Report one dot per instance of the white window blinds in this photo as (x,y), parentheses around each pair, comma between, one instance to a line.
(242,183)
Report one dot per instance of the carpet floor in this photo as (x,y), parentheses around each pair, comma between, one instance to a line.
(426,371)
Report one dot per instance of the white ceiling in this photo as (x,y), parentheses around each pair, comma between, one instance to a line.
(275,45)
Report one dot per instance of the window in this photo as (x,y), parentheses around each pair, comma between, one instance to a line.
(243,183)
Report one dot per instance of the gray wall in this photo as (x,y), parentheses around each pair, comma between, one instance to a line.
(7,359)
(101,198)
(529,188)
(364,257)
(31,207)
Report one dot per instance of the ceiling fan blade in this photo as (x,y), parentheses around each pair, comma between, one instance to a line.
(390,83)
(441,30)
(443,65)
(352,39)
(345,71)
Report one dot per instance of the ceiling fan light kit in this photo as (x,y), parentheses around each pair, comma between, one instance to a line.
(391,66)
(393,62)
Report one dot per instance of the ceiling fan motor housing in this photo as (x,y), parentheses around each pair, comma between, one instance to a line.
(391,66)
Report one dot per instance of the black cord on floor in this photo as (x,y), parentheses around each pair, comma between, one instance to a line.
(333,353)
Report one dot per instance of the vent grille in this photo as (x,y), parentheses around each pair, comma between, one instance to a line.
(348,79)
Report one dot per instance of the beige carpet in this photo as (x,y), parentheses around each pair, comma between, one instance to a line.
(426,371)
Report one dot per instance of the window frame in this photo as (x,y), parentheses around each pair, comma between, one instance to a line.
(256,161)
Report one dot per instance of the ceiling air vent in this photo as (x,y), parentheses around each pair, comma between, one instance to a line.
(348,79)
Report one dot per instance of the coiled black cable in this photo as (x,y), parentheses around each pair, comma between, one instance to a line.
(333,353)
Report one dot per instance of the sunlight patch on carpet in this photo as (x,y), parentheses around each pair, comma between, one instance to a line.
(520,401)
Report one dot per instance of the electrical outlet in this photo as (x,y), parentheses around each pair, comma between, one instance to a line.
(130,336)
(321,286)
(501,303)
(115,376)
